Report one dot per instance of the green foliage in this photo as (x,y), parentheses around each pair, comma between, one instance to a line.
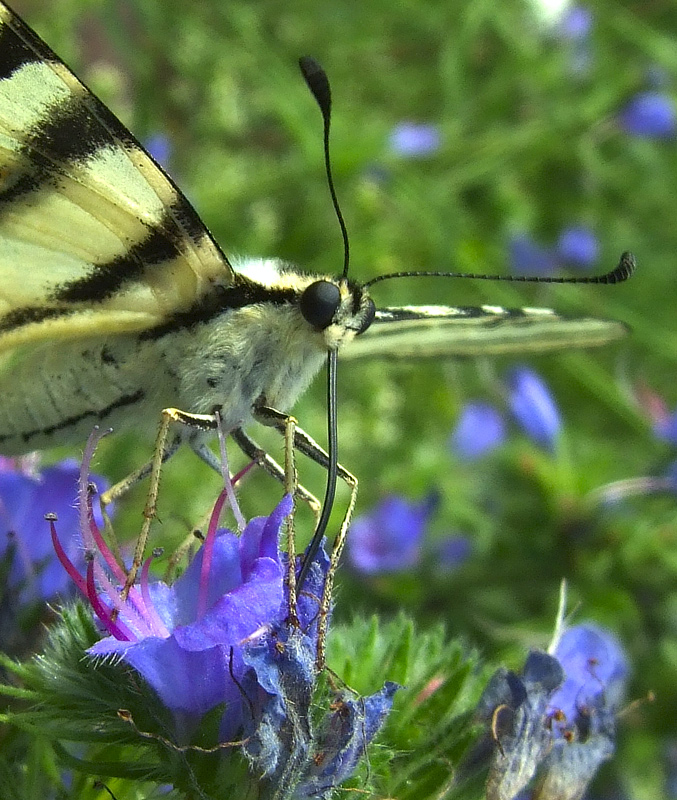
(527,144)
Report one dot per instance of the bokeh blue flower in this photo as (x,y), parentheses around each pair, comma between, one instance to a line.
(533,406)
(414,139)
(649,115)
(577,247)
(389,539)
(25,497)
(479,430)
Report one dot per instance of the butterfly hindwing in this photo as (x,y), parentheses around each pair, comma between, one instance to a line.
(94,237)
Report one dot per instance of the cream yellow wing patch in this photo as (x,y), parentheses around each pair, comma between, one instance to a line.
(94,237)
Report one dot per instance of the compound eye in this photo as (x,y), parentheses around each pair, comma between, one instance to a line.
(319,303)
(369,316)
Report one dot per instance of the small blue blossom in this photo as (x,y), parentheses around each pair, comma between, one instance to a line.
(454,551)
(533,407)
(649,115)
(35,573)
(665,428)
(527,257)
(552,726)
(587,703)
(479,430)
(576,23)
(596,670)
(414,140)
(578,247)
(516,709)
(160,148)
(389,538)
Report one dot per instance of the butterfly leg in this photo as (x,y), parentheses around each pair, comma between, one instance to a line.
(310,448)
(264,460)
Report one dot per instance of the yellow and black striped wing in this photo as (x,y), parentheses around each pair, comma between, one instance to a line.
(95,239)
(445,331)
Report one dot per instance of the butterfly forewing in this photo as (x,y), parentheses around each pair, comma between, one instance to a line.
(439,331)
(94,237)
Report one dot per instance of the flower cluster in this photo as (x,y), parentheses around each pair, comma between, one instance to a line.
(222,636)
(576,248)
(481,427)
(555,723)
(391,538)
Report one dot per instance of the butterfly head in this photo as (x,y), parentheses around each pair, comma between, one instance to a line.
(339,309)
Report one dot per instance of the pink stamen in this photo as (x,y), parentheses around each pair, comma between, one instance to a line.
(114,628)
(207,550)
(102,547)
(66,563)
(239,475)
(137,624)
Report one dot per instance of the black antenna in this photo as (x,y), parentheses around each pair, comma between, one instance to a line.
(332,470)
(317,81)
(625,268)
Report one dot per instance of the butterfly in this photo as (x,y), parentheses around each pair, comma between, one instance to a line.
(117,303)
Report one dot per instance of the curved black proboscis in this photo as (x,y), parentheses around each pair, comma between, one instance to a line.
(332,471)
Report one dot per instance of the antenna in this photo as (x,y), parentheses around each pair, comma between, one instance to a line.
(625,269)
(317,81)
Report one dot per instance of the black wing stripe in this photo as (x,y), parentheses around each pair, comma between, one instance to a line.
(99,414)
(16,52)
(162,244)
(28,315)
(71,131)
(67,134)
(241,294)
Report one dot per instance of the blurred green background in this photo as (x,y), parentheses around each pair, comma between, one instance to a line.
(530,143)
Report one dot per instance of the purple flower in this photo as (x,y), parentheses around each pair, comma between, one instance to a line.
(180,637)
(34,572)
(414,140)
(575,23)
(649,115)
(586,704)
(160,148)
(527,257)
(596,670)
(389,538)
(223,635)
(578,247)
(552,726)
(533,407)
(665,428)
(453,551)
(515,708)
(479,430)
(342,738)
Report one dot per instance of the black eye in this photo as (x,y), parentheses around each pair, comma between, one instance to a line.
(319,303)
(369,316)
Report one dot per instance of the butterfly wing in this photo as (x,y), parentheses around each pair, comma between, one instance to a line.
(442,331)
(95,239)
